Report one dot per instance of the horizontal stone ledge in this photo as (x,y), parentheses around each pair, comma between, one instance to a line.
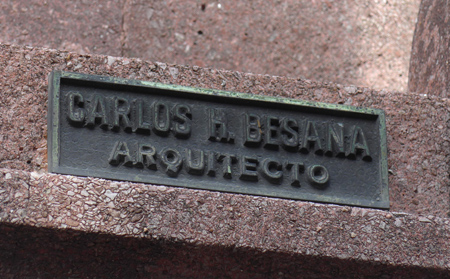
(100,255)
(208,218)
(417,125)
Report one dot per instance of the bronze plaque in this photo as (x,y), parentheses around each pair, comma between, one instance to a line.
(223,141)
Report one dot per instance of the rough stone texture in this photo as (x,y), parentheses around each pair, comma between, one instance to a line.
(429,69)
(196,234)
(366,43)
(353,42)
(417,126)
(74,254)
(81,26)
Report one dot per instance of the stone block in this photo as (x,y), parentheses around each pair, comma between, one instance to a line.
(429,68)
(80,26)
(177,232)
(417,125)
(366,43)
(50,227)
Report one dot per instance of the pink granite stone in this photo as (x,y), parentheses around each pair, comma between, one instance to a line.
(251,236)
(195,233)
(366,43)
(81,26)
(417,126)
(429,71)
(352,42)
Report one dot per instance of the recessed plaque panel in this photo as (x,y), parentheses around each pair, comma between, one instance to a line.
(223,141)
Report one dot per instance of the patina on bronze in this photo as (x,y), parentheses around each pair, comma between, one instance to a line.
(210,139)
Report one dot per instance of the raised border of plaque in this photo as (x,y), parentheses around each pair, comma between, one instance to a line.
(167,134)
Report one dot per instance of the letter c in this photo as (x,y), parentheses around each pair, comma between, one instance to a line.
(76,111)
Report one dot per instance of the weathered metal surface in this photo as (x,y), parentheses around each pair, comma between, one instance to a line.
(209,139)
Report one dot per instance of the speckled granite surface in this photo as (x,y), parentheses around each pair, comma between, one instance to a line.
(226,222)
(361,42)
(417,126)
(429,71)
(228,225)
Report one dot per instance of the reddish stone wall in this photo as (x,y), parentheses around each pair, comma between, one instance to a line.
(65,226)
(366,43)
(430,69)
(417,126)
(259,229)
(29,252)
(231,231)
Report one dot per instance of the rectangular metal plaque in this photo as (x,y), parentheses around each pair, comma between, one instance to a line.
(209,139)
